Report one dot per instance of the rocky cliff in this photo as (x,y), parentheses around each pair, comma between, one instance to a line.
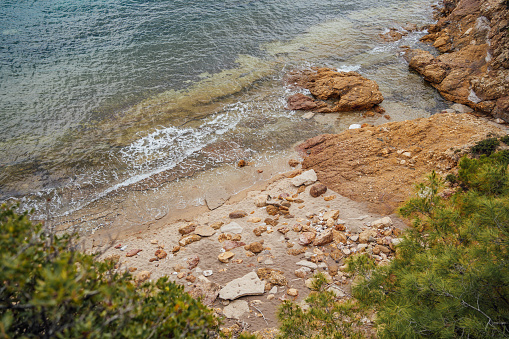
(472,36)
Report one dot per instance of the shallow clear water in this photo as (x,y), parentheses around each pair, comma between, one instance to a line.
(100,96)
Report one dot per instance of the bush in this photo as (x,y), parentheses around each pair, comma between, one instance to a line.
(486,146)
(49,289)
(326,317)
(450,277)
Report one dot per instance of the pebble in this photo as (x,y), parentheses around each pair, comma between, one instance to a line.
(317,190)
(225,257)
(302,272)
(189,239)
(306,238)
(205,231)
(232,227)
(132,253)
(293,292)
(307,264)
(237,214)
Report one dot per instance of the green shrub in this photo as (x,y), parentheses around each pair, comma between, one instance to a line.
(326,317)
(49,289)
(505,139)
(486,146)
(450,277)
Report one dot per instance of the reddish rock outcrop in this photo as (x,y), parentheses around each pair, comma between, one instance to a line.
(333,91)
(473,69)
(380,165)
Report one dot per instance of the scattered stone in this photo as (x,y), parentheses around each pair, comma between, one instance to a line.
(381,223)
(207,273)
(132,269)
(265,272)
(336,290)
(181,275)
(191,278)
(354,237)
(317,190)
(225,256)
(306,238)
(237,214)
(273,290)
(205,231)
(189,239)
(339,237)
(249,284)
(188,228)
(142,277)
(297,228)
(270,297)
(254,220)
(362,247)
(154,241)
(206,290)
(259,230)
(193,262)
(302,272)
(271,222)
(132,253)
(261,200)
(292,292)
(217,225)
(242,163)
(272,210)
(347,251)
(255,247)
(307,264)
(283,230)
(161,254)
(236,309)
(324,238)
(230,245)
(236,237)
(306,178)
(333,269)
(293,163)
(308,115)
(366,235)
(232,227)
(333,214)
(329,197)
(299,251)
(277,278)
(118,246)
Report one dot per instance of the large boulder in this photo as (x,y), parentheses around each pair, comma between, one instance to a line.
(334,91)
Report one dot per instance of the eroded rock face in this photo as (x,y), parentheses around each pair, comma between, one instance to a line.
(473,69)
(333,91)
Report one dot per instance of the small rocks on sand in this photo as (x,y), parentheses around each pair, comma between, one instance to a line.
(142,277)
(236,309)
(189,239)
(205,231)
(160,254)
(186,229)
(317,190)
(225,256)
(306,238)
(293,163)
(237,214)
(255,247)
(307,264)
(292,292)
(324,238)
(132,253)
(232,227)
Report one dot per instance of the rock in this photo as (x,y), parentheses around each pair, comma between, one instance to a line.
(272,210)
(306,178)
(273,290)
(361,247)
(270,222)
(338,292)
(206,290)
(225,256)
(307,264)
(261,200)
(329,198)
(205,231)
(308,115)
(175,249)
(230,244)
(259,230)
(339,237)
(277,278)
(333,214)
(142,277)
(297,228)
(317,190)
(302,272)
(333,269)
(324,238)
(132,253)
(237,214)
(216,197)
(354,237)
(283,230)
(207,273)
(249,284)
(189,239)
(232,227)
(265,272)
(191,278)
(306,238)
(347,251)
(161,254)
(217,225)
(236,309)
(255,247)
(154,241)
(241,163)
(300,101)
(186,229)
(381,223)
(355,126)
(254,220)
(293,163)
(193,262)
(293,292)
(365,235)
(346,90)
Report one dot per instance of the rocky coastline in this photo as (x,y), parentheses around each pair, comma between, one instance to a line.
(243,257)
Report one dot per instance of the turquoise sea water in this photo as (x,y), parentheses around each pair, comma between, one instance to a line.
(98,95)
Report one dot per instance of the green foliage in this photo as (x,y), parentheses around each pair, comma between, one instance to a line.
(486,146)
(326,317)
(49,289)
(450,277)
(505,138)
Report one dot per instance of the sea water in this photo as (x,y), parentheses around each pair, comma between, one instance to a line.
(102,101)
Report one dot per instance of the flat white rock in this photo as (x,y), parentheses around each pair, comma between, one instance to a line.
(236,309)
(232,227)
(308,264)
(249,284)
(306,178)
(216,197)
